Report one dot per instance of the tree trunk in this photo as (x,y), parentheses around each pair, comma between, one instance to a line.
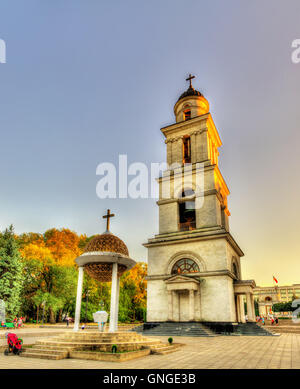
(52,316)
(60,316)
(37,313)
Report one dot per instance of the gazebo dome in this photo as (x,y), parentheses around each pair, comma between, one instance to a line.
(107,242)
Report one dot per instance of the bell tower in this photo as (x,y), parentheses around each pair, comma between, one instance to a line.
(194,270)
(192,152)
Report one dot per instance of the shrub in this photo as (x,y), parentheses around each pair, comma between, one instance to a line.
(170,340)
(114,349)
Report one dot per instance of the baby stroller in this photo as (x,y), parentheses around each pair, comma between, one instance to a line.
(14,344)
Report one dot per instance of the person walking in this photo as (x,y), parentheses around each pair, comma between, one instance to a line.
(263,321)
(67,320)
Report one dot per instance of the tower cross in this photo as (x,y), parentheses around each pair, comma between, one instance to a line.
(190,77)
(108,216)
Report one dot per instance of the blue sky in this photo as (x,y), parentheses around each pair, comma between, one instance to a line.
(88,80)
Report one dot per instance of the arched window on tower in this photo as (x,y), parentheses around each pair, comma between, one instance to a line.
(186,149)
(187,114)
(187,211)
(185,266)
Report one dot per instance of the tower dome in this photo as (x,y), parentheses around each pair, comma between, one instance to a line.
(190,104)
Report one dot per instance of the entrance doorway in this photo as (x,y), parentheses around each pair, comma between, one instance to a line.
(183,305)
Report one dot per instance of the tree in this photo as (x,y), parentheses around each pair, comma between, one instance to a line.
(46,281)
(133,292)
(64,245)
(11,272)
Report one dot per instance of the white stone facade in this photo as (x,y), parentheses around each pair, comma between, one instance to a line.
(214,291)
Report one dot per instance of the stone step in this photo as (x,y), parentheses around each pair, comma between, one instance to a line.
(47,351)
(27,354)
(164,349)
(53,347)
(175,329)
(94,344)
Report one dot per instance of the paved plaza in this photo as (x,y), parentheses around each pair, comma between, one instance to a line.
(220,352)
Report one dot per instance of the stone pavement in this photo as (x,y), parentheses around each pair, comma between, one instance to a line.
(220,352)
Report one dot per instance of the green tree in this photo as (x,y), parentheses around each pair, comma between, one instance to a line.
(11,272)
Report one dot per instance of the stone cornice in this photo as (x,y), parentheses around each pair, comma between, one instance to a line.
(194,236)
(170,173)
(176,199)
(211,273)
(184,125)
(176,138)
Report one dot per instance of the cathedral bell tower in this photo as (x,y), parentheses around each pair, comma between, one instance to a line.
(193,142)
(194,262)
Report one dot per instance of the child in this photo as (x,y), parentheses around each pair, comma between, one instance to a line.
(20,322)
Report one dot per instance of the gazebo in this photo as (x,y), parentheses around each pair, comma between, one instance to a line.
(105,258)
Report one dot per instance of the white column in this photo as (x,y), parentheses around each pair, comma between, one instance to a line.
(78,298)
(238,308)
(117,304)
(113,298)
(192,305)
(249,308)
(253,307)
(242,309)
(178,305)
(170,305)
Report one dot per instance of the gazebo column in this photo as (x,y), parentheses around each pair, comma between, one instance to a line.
(114,299)
(117,304)
(78,298)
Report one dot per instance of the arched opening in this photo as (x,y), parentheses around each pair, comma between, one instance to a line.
(235,270)
(268,298)
(187,212)
(187,114)
(185,266)
(186,150)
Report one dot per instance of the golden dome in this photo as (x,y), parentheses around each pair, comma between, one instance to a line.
(107,242)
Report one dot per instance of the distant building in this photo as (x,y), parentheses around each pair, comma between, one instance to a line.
(266,296)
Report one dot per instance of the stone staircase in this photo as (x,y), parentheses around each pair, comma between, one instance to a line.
(251,329)
(61,346)
(175,329)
